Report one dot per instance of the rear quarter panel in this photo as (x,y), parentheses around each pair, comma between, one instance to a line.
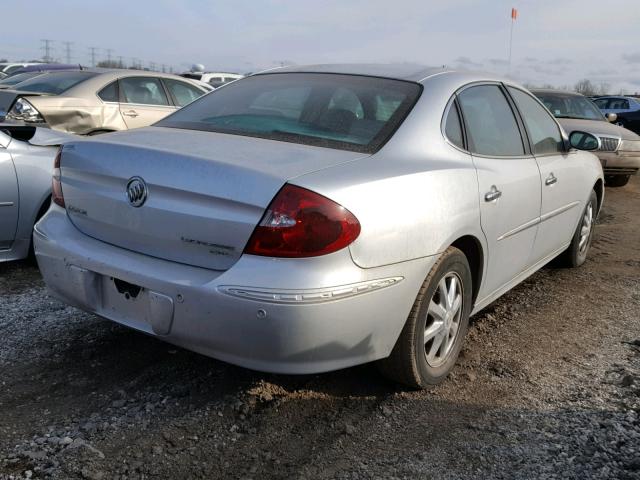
(414,197)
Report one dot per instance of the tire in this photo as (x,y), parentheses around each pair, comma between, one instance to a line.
(576,254)
(412,361)
(616,180)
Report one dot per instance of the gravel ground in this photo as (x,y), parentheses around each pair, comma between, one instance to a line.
(548,386)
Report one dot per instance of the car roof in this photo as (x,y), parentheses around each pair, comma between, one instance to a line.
(553,90)
(400,71)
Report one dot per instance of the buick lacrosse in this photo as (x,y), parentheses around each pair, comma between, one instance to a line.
(308,219)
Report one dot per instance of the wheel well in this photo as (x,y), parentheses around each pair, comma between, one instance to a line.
(43,209)
(472,249)
(599,189)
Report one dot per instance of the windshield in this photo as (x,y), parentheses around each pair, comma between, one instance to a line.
(55,82)
(346,112)
(20,77)
(566,105)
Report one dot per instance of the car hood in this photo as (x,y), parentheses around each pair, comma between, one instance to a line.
(597,127)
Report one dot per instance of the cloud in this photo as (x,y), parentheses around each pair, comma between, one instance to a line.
(631,57)
(467,62)
(498,62)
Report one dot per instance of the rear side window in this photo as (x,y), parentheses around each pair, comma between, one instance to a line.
(182,92)
(109,93)
(544,133)
(143,90)
(453,127)
(619,104)
(601,102)
(490,124)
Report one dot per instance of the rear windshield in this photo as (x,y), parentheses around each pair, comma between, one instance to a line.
(19,77)
(564,105)
(55,82)
(346,112)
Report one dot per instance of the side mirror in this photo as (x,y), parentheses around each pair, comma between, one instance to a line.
(611,117)
(584,141)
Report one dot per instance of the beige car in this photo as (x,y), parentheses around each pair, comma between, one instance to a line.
(619,151)
(88,102)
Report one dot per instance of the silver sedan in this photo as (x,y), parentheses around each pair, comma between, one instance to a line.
(26,163)
(313,218)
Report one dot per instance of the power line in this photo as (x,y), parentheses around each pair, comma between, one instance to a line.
(67,50)
(92,51)
(47,48)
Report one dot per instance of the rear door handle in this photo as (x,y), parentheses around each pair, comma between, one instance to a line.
(131,113)
(492,194)
(551,179)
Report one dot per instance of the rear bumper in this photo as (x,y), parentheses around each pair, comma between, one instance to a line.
(278,315)
(620,163)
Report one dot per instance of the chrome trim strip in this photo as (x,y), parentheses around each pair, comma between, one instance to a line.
(524,226)
(558,211)
(299,297)
(6,204)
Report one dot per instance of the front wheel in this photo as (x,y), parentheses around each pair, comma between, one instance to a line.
(616,180)
(430,342)
(576,254)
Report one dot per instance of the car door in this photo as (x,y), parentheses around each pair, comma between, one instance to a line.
(508,183)
(562,191)
(9,201)
(143,101)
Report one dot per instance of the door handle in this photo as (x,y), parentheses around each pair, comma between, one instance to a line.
(551,179)
(492,194)
(131,113)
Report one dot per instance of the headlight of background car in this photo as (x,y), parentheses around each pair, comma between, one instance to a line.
(23,110)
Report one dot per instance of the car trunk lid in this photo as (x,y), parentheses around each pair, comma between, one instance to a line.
(205,192)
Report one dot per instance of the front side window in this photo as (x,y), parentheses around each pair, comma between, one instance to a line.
(182,92)
(545,134)
(143,90)
(490,124)
(348,112)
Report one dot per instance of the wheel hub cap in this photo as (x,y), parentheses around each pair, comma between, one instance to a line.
(443,319)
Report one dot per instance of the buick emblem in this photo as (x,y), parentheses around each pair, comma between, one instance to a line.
(136,191)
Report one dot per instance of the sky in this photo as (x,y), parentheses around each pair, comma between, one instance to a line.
(555,42)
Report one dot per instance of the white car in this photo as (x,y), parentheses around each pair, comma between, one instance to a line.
(215,79)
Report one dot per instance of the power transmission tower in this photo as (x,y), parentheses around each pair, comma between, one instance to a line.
(92,52)
(47,47)
(67,50)
(120,64)
(109,50)
(152,66)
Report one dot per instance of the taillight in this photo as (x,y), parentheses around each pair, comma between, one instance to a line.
(302,223)
(56,187)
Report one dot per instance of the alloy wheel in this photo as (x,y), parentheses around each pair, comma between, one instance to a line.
(443,319)
(586,229)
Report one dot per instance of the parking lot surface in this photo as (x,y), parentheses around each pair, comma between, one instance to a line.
(547,386)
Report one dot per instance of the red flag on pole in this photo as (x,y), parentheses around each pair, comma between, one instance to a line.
(514,14)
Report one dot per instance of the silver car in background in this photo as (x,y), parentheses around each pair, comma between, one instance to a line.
(309,219)
(26,164)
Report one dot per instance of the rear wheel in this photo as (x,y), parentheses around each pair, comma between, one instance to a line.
(576,254)
(616,180)
(430,342)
